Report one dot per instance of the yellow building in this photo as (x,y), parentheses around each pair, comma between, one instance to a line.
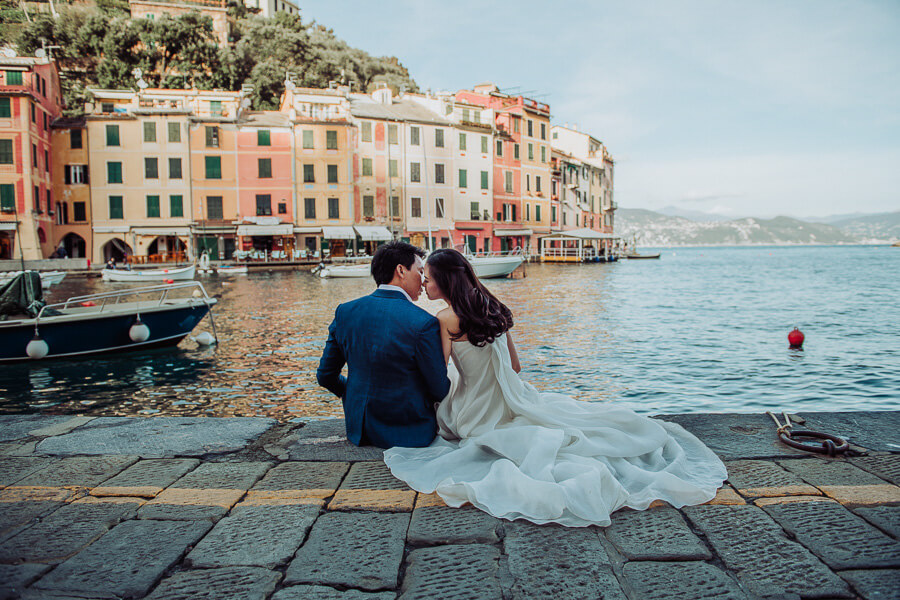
(324,143)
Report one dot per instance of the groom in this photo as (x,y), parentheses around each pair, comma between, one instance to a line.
(396,366)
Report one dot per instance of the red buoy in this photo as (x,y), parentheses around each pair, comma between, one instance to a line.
(795,338)
(173,281)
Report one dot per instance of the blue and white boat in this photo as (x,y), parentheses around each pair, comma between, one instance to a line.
(107,323)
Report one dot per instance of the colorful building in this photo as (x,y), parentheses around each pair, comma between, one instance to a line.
(30,100)
(71,186)
(521,165)
(324,142)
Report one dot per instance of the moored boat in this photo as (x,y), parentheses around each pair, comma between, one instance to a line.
(345,271)
(150,275)
(107,323)
(635,255)
(489,267)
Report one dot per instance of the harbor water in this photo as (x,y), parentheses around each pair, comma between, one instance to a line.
(700,330)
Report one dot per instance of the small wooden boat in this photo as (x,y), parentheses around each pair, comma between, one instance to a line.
(48,278)
(150,275)
(635,255)
(107,323)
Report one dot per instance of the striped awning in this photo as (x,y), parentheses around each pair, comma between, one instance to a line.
(338,233)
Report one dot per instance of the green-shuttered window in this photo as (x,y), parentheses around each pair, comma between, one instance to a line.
(7,157)
(265,168)
(174,168)
(213,167)
(367,167)
(462,141)
(537,212)
(5,108)
(334,208)
(331,140)
(332,173)
(263,137)
(484,180)
(149,131)
(463,178)
(152,206)
(75,141)
(308,139)
(113,172)
(309,174)
(116,209)
(151,168)
(7,197)
(112,135)
(176,206)
(174,132)
(484,144)
(14,78)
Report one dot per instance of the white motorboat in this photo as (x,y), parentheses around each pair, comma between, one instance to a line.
(144,275)
(489,267)
(345,271)
(48,278)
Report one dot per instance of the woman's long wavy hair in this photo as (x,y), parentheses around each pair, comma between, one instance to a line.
(482,318)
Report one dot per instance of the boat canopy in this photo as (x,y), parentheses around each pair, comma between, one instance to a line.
(21,295)
(370,233)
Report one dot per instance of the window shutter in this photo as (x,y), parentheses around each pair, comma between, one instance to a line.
(68,176)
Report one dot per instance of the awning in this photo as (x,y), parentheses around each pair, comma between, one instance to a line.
(370,233)
(307,230)
(510,232)
(8,226)
(581,234)
(249,230)
(338,233)
(111,229)
(165,231)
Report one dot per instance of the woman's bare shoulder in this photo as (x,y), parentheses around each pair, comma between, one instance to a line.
(448,318)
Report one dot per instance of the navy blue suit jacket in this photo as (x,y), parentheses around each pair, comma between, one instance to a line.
(396,370)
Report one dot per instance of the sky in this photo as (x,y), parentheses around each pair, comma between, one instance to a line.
(759,108)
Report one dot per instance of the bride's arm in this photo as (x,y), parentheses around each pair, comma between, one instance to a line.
(513,355)
(445,317)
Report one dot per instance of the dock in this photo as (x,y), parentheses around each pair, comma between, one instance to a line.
(171,507)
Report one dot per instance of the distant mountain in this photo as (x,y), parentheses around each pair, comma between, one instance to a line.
(693,215)
(877,227)
(656,229)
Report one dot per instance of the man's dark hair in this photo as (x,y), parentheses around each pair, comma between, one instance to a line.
(388,256)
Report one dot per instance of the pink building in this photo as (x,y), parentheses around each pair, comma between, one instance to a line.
(265,183)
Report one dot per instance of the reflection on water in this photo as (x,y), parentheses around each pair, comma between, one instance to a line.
(699,330)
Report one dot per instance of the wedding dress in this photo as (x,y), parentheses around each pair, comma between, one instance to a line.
(518,453)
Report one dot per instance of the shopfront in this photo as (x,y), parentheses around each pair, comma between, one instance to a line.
(270,241)
(338,241)
(508,240)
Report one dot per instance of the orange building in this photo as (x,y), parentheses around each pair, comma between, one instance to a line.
(30,100)
(72,187)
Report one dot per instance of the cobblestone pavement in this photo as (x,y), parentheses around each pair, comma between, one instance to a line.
(165,508)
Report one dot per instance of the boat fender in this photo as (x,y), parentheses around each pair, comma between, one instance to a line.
(168,281)
(139,332)
(37,348)
(197,294)
(89,303)
(205,338)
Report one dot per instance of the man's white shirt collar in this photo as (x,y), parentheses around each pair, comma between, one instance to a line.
(394,288)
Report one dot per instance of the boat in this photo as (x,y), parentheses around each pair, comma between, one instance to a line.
(147,275)
(635,255)
(208,269)
(490,267)
(344,271)
(48,278)
(107,323)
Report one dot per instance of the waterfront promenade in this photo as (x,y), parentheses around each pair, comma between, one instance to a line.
(247,508)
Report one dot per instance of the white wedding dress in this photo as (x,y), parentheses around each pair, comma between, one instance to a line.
(518,453)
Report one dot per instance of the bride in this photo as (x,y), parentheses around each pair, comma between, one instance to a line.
(518,453)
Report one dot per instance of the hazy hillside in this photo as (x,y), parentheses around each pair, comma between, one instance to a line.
(879,227)
(655,229)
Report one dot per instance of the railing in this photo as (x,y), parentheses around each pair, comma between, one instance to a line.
(117,295)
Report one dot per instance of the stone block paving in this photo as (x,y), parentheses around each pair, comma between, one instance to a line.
(325,520)
(146,478)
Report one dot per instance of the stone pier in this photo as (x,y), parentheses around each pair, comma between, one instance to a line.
(169,508)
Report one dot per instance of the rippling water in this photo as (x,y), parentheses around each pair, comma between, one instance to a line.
(701,330)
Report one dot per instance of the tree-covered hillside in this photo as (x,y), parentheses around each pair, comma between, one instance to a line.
(101,45)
